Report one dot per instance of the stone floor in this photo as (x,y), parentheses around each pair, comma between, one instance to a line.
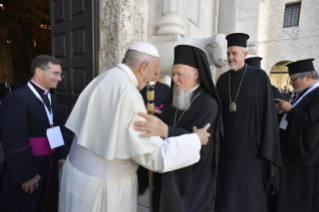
(143,202)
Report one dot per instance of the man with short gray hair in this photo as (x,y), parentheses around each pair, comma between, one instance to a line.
(299,139)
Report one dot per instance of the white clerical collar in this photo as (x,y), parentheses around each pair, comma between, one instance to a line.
(129,73)
(196,87)
(45,90)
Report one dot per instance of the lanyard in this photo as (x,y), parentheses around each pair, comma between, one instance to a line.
(283,124)
(305,94)
(49,114)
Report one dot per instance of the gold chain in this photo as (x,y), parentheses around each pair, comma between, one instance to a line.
(238,87)
(175,124)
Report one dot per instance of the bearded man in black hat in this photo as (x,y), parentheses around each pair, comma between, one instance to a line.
(193,102)
(250,155)
(299,139)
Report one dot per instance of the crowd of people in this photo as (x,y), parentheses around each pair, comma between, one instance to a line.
(239,146)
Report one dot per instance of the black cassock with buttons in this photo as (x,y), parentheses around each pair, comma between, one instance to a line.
(24,119)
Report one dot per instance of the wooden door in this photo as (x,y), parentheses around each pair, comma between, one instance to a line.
(74,38)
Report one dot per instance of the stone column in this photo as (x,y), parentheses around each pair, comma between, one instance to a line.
(122,23)
(15,42)
(171,22)
(227,18)
(227,24)
(27,20)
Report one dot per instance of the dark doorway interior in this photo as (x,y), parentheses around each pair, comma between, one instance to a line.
(22,35)
(66,29)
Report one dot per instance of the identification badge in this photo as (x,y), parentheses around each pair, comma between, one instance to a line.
(55,137)
(283,123)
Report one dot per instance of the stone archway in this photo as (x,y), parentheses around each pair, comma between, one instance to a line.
(279,76)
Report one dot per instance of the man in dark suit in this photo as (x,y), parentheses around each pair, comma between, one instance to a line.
(6,87)
(30,181)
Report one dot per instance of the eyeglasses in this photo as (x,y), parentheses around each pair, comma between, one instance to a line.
(57,74)
(294,79)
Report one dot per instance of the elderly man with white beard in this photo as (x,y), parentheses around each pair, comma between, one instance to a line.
(194,102)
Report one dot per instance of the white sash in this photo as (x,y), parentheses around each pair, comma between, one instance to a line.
(283,123)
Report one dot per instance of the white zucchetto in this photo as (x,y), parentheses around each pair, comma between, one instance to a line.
(145,48)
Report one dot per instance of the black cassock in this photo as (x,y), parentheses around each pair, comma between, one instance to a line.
(190,189)
(22,117)
(299,176)
(250,155)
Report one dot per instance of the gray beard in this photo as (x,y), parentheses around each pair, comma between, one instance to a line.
(182,100)
(299,90)
(232,67)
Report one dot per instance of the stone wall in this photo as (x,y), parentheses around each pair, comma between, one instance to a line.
(247,22)
(295,43)
(203,27)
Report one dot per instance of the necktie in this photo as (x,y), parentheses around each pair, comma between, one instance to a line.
(8,87)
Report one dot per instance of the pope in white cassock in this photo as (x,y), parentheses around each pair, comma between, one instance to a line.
(100,171)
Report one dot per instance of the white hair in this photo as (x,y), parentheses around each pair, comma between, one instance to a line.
(314,74)
(182,99)
(135,59)
(244,49)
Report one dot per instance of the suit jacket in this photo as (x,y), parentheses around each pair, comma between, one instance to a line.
(4,90)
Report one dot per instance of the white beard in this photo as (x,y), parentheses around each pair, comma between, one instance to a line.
(182,100)
(232,67)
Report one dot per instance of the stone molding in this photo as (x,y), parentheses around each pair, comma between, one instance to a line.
(171,22)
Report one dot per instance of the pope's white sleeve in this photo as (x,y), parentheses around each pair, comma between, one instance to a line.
(175,153)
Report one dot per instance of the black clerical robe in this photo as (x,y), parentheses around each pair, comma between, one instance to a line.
(5,88)
(190,189)
(299,176)
(250,155)
(23,117)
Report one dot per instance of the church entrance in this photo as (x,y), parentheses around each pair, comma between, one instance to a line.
(67,30)
(74,40)
(279,76)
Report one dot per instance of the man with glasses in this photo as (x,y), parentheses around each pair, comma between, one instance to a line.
(299,139)
(29,115)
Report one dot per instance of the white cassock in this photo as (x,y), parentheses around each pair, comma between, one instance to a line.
(100,172)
